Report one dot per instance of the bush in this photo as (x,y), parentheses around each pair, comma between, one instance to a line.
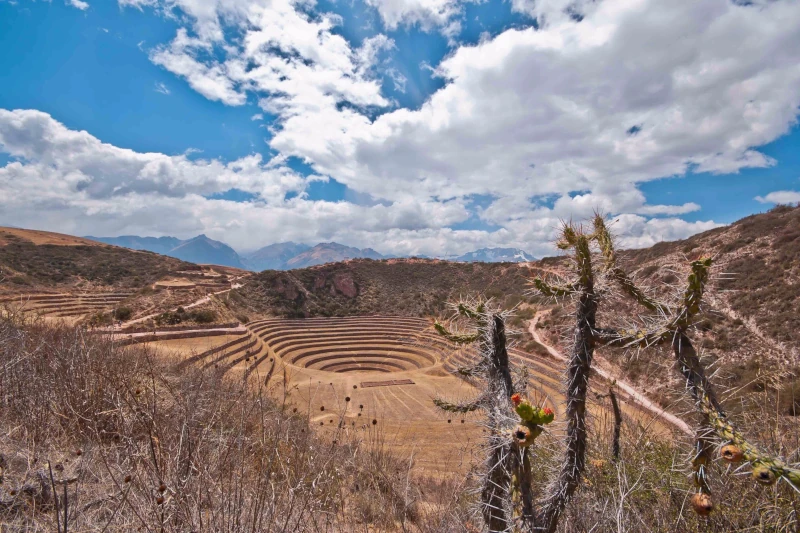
(123,313)
(204,316)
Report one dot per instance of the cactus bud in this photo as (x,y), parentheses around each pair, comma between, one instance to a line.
(516,399)
(526,411)
(701,503)
(731,453)
(763,474)
(547,415)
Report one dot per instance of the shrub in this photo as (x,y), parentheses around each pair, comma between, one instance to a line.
(204,316)
(123,313)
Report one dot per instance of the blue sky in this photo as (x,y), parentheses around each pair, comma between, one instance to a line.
(410,126)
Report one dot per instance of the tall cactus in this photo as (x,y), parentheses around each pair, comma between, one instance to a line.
(671,325)
(492,368)
(508,464)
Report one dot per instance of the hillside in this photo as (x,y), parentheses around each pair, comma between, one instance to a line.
(760,259)
(31,258)
(410,287)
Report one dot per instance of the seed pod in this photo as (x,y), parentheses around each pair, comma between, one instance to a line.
(160,500)
(525,434)
(731,453)
(128,478)
(162,487)
(763,474)
(701,503)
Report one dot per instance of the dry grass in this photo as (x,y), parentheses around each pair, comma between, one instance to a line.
(144,448)
(229,456)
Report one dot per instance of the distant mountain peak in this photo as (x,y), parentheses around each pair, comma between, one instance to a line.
(497,255)
(200,249)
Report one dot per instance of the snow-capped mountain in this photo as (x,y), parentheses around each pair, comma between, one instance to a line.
(497,255)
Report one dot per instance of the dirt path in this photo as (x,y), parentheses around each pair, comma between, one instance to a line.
(201,301)
(231,331)
(635,395)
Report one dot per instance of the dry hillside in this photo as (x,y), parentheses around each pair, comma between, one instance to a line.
(38,259)
(408,287)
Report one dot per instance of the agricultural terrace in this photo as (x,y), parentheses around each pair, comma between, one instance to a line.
(369,373)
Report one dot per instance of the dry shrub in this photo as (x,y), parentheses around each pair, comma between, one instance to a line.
(134,445)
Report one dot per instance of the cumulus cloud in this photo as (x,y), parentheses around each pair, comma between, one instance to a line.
(780,197)
(548,122)
(79,4)
(626,95)
(79,162)
(428,14)
(72,182)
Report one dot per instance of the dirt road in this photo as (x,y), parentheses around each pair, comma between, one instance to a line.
(635,395)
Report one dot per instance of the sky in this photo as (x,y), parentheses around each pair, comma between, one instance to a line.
(429,127)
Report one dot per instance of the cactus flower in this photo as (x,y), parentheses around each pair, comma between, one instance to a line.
(516,399)
(525,434)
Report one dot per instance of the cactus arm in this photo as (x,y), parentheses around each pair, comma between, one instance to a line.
(766,468)
(470,312)
(553,291)
(693,295)
(456,338)
(605,242)
(458,407)
(578,371)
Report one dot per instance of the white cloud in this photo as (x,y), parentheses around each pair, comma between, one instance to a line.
(79,4)
(780,197)
(83,164)
(161,88)
(542,112)
(550,122)
(428,14)
(70,181)
(257,116)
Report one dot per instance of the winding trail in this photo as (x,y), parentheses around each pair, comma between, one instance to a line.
(635,395)
(200,301)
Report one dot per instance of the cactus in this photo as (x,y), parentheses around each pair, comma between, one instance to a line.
(498,387)
(671,325)
(507,493)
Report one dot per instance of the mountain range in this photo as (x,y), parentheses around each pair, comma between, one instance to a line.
(280,256)
(496,255)
(200,249)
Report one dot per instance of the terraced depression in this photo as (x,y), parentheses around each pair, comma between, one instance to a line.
(381,373)
(375,376)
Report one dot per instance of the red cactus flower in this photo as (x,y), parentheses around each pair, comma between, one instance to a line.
(548,411)
(516,399)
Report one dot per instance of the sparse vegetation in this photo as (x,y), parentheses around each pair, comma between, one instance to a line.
(133,444)
(49,264)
